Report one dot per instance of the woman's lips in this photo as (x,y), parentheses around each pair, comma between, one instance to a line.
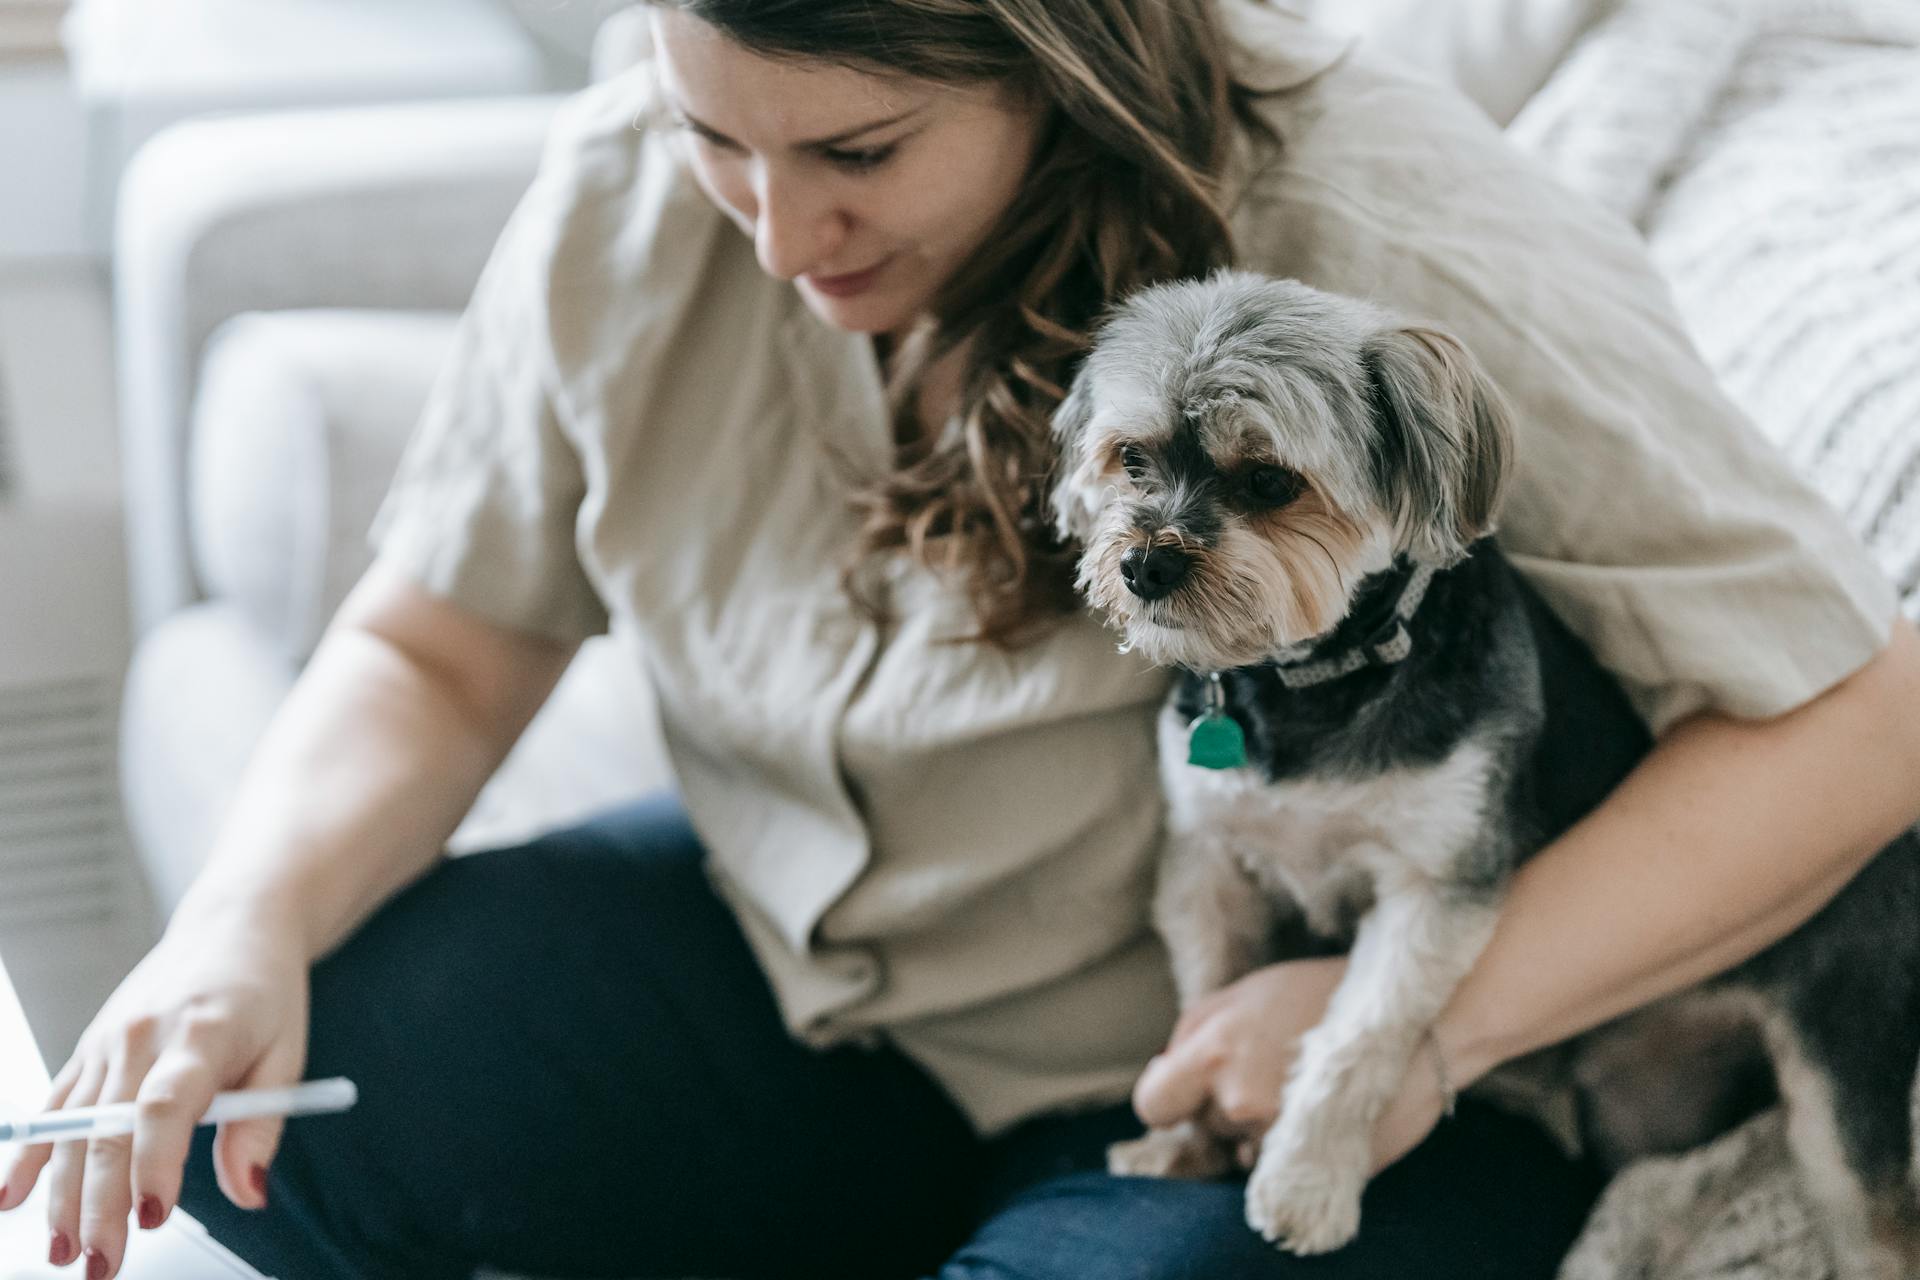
(848,285)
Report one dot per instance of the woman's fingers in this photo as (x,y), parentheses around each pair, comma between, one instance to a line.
(1177,1084)
(24,1169)
(175,1095)
(64,1169)
(106,1171)
(244,1149)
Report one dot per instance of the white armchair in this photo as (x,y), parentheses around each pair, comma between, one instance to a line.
(139,66)
(285,288)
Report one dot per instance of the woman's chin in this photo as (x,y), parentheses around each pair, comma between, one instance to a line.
(850,318)
(860,314)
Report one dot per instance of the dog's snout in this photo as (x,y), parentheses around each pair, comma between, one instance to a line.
(1155,572)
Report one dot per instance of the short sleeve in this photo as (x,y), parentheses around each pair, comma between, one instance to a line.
(1649,512)
(485,506)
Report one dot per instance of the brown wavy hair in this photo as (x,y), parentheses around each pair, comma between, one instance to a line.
(1125,191)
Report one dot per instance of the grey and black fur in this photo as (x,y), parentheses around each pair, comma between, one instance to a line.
(1257,472)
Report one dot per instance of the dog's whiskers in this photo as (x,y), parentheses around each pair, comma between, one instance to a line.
(1339,578)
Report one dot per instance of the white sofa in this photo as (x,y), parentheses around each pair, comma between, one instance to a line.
(286,286)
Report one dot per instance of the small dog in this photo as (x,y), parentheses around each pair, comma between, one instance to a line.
(1290,495)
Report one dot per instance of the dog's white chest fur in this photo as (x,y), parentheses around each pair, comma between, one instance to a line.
(1328,843)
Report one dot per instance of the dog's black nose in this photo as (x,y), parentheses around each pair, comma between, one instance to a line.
(1154,573)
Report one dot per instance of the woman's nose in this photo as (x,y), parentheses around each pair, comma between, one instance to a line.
(796,228)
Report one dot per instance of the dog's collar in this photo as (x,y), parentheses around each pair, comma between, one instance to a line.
(1216,741)
(1383,643)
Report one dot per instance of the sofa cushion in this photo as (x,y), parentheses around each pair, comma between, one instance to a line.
(297,430)
(595,744)
(205,683)
(200,691)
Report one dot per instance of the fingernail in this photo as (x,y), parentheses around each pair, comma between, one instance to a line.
(151,1214)
(260,1180)
(60,1251)
(97,1267)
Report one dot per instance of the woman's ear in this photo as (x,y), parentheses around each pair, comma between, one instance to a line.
(1443,442)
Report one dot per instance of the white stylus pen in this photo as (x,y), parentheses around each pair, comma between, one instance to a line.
(336,1093)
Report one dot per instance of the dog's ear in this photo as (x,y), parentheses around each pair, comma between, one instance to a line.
(1076,492)
(1442,444)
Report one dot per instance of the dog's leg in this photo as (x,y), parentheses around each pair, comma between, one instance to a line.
(1216,922)
(1848,1090)
(1411,951)
(1670,1077)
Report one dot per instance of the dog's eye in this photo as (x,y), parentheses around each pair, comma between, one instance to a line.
(1274,486)
(1134,460)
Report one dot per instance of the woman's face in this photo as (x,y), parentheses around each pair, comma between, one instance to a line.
(866,191)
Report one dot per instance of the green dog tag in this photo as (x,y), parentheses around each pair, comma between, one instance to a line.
(1215,741)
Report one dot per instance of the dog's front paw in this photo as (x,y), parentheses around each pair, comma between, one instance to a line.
(1184,1151)
(1303,1206)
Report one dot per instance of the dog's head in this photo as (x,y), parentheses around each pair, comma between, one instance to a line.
(1238,453)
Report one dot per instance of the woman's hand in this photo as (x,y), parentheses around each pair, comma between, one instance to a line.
(220,1003)
(1231,1053)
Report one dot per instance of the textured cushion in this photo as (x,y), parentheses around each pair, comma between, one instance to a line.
(298,427)
(1728,1211)
(1771,155)
(1497,51)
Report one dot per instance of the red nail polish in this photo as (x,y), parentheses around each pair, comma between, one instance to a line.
(97,1266)
(260,1180)
(60,1250)
(151,1214)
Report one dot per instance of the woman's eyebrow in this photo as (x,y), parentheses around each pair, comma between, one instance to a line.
(812,144)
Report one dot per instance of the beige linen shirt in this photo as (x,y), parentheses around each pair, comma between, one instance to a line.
(946,845)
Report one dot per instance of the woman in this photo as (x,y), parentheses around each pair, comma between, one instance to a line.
(881,1016)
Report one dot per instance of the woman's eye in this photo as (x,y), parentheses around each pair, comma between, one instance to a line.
(862,161)
(1134,461)
(1274,486)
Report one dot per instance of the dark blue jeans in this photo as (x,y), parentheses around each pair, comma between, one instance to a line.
(570,1065)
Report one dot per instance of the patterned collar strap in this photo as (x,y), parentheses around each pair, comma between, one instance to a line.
(1386,646)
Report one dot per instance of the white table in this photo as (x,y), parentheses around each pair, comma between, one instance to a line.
(179,1250)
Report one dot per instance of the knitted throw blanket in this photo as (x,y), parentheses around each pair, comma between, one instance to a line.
(1770,152)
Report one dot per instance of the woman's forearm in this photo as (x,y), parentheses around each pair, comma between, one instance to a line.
(1727,836)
